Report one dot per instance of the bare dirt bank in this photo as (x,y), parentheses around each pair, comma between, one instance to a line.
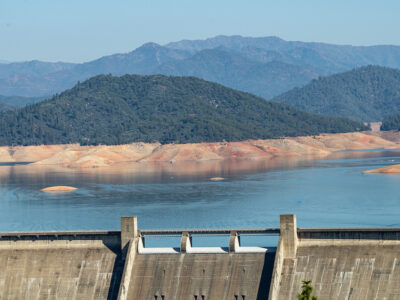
(81,157)
(394,169)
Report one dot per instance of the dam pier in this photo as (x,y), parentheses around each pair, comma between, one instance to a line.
(343,263)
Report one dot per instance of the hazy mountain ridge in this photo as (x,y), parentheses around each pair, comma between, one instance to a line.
(336,57)
(233,70)
(302,61)
(32,68)
(367,94)
(5,107)
(134,108)
(13,102)
(19,101)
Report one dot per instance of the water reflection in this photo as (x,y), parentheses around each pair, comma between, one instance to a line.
(329,192)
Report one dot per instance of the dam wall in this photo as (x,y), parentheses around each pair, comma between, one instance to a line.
(60,265)
(117,265)
(198,273)
(342,263)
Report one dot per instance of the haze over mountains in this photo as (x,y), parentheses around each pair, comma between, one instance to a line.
(265,66)
(134,108)
(5,107)
(18,101)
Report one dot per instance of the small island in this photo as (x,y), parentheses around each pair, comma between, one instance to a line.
(59,189)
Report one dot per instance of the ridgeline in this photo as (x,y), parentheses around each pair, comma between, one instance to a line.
(366,94)
(118,110)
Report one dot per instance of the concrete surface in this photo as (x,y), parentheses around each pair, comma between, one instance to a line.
(59,267)
(356,264)
(201,276)
(343,263)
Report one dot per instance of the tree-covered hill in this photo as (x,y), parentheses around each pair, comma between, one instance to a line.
(391,123)
(367,94)
(131,108)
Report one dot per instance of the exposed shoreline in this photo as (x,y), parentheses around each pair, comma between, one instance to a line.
(73,156)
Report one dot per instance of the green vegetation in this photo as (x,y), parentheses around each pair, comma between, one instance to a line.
(306,291)
(365,94)
(131,108)
(391,123)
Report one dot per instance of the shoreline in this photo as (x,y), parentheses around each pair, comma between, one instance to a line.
(76,157)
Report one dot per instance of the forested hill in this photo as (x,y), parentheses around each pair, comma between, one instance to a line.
(131,108)
(391,123)
(367,94)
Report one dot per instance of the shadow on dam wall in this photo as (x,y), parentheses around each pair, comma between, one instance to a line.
(266,275)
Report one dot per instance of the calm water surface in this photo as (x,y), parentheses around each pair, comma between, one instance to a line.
(324,193)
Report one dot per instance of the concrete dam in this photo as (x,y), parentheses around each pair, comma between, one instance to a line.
(343,263)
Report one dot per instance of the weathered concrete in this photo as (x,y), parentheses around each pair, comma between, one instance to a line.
(201,276)
(277,272)
(199,273)
(288,235)
(129,245)
(109,265)
(352,264)
(59,266)
(129,230)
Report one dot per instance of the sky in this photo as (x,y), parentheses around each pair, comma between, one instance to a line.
(83,30)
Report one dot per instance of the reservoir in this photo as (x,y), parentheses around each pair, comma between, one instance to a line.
(324,193)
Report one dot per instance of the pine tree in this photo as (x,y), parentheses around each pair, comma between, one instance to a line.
(306,291)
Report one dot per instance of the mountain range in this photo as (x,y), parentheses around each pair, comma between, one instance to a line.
(11,102)
(266,66)
(134,108)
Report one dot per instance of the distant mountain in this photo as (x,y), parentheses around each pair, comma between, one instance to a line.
(143,60)
(266,66)
(132,108)
(234,42)
(32,68)
(367,94)
(14,102)
(233,70)
(2,61)
(18,101)
(326,58)
(5,107)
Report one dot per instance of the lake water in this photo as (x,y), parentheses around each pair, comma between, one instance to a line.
(327,193)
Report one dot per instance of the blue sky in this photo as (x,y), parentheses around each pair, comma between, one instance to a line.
(76,31)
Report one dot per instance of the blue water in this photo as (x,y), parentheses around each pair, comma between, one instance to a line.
(325,193)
